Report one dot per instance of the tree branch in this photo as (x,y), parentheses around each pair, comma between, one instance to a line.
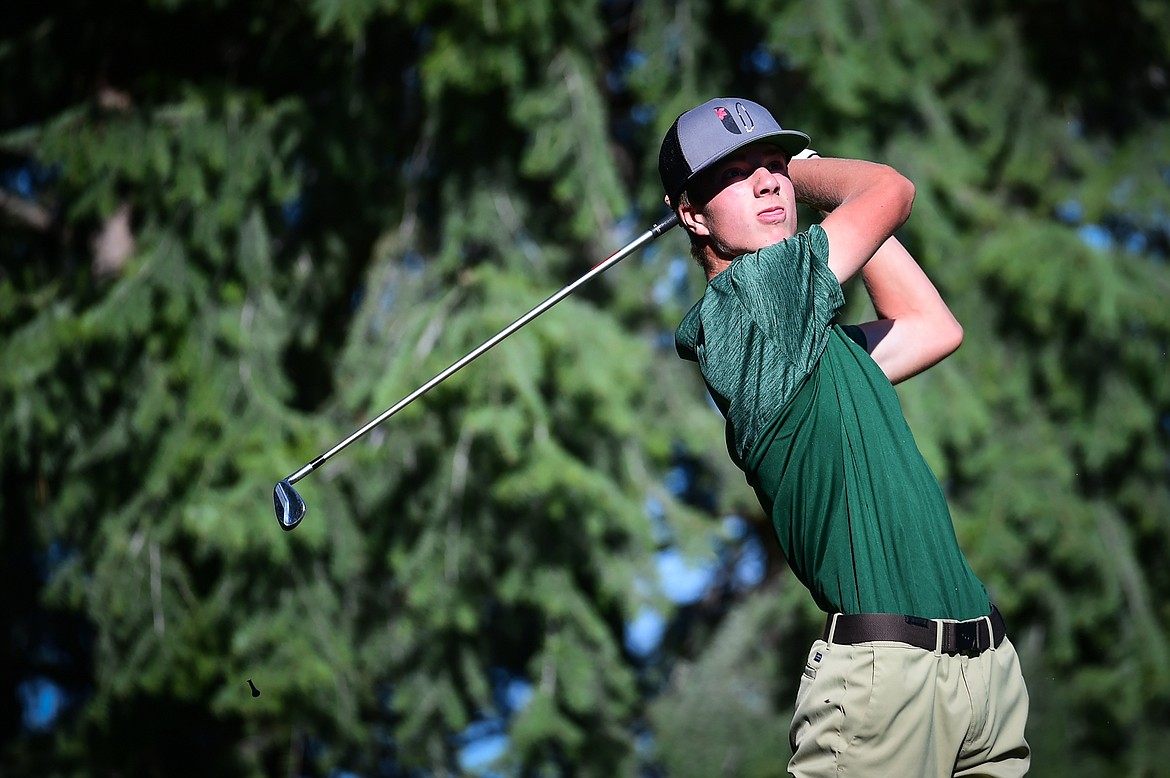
(33,214)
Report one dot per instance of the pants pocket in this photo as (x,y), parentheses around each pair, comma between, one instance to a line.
(816,657)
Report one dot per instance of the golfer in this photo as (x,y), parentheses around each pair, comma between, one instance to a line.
(914,674)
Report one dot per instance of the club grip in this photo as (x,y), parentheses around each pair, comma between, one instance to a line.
(666,224)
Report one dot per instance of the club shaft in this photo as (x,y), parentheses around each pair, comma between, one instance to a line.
(646,237)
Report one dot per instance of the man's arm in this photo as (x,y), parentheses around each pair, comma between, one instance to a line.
(865,202)
(914,328)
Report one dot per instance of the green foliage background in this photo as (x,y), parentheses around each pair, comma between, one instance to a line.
(231,232)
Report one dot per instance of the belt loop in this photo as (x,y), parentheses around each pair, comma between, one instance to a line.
(990,633)
(832,627)
(939,630)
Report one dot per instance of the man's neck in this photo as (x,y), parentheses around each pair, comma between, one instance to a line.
(713,263)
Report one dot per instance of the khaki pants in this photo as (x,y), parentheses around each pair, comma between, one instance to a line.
(887,709)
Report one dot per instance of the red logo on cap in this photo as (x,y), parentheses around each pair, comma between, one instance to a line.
(725,118)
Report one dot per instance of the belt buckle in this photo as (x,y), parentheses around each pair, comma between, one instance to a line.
(967,638)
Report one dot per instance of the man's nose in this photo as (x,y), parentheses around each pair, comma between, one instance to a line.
(766,181)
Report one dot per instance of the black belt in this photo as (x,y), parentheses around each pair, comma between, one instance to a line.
(969,638)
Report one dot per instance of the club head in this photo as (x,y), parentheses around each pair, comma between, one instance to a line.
(290,508)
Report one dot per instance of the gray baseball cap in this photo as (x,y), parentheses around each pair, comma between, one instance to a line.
(707,133)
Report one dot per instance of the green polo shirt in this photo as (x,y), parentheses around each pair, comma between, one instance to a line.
(819,432)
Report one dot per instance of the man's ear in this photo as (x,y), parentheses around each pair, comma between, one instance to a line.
(692,219)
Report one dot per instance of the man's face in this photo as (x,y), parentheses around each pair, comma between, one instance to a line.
(744,202)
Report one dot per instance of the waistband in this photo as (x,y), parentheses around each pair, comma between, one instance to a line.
(966,638)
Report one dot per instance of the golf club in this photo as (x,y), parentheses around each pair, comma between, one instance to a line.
(290,508)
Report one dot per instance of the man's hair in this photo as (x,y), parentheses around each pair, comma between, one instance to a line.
(698,244)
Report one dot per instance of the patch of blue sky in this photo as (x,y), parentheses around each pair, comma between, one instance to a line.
(752,564)
(413,262)
(1095,236)
(677,480)
(735,527)
(683,581)
(660,530)
(643,634)
(635,58)
(671,286)
(643,115)
(28,179)
(1101,238)
(762,61)
(626,228)
(1136,242)
(1070,212)
(40,701)
(22,183)
(616,78)
(293,210)
(517,693)
(484,742)
(478,756)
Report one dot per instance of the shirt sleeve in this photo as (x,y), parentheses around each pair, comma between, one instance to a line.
(791,293)
(686,336)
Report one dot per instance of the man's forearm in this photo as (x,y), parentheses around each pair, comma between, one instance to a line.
(914,328)
(826,183)
(865,203)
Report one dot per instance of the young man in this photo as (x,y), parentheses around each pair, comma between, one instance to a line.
(914,675)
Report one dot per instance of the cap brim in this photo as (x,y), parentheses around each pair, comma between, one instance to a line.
(791,141)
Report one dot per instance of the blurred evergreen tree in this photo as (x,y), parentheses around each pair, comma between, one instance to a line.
(232,232)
